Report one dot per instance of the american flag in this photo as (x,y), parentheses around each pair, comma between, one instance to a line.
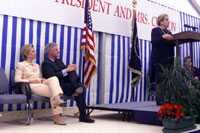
(88,46)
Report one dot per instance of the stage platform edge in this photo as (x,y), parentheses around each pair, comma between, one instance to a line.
(141,112)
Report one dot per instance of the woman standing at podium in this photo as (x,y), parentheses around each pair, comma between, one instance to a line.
(162,52)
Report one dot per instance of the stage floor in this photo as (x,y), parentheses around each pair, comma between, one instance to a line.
(142,112)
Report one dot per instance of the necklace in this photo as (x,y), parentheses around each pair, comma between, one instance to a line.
(163,31)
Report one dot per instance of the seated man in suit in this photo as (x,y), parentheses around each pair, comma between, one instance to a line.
(68,78)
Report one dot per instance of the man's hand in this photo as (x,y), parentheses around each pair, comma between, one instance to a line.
(71,67)
(196,78)
(42,80)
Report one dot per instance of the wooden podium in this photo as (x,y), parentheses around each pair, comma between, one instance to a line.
(185,37)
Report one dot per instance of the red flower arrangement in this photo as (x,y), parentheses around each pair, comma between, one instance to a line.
(169,111)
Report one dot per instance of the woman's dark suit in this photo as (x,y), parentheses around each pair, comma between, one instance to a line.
(162,53)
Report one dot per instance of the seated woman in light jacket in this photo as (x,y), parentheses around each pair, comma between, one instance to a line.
(28,71)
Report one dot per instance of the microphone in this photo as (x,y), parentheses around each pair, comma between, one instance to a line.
(189,26)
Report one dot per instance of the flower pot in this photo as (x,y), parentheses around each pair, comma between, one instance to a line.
(177,126)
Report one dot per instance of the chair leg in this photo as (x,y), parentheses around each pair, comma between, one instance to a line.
(29,114)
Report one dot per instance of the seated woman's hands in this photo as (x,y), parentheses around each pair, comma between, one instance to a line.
(34,81)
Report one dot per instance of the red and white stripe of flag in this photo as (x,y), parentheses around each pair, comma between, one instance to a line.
(88,48)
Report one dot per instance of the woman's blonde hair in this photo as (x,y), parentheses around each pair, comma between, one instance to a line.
(25,50)
(161,19)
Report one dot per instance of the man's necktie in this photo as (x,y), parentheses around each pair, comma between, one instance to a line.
(57,63)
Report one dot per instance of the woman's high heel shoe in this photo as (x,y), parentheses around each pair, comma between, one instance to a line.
(59,122)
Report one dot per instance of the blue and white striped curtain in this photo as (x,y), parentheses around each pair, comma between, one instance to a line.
(141,93)
(118,76)
(16,32)
(185,48)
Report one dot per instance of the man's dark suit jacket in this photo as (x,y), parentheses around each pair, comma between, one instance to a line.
(50,68)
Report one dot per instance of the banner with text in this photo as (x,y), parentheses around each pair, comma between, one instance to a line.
(110,16)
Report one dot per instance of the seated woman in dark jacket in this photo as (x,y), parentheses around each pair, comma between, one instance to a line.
(188,65)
